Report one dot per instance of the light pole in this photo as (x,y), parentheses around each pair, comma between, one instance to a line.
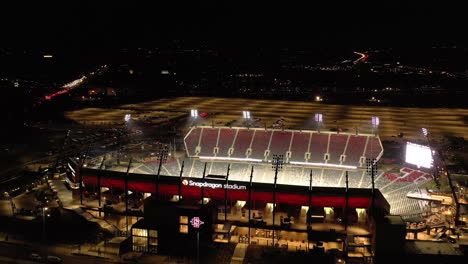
(196,222)
(372,170)
(308,214)
(277,165)
(61,151)
(226,191)
(162,157)
(80,174)
(99,185)
(250,197)
(346,202)
(180,181)
(44,209)
(126,192)
(436,173)
(449,178)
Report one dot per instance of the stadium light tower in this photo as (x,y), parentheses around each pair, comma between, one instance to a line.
(371,171)
(193,116)
(318,120)
(247,117)
(375,123)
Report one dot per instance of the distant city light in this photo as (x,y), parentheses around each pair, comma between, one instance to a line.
(319,118)
(164,72)
(48,56)
(194,113)
(128,117)
(246,114)
(375,121)
(75,83)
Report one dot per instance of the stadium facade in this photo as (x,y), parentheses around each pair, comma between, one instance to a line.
(237,200)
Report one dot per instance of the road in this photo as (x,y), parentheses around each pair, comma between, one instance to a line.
(363,57)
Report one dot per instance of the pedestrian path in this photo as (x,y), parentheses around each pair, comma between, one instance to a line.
(239,253)
(89,217)
(64,195)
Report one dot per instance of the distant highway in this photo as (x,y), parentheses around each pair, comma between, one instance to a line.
(363,57)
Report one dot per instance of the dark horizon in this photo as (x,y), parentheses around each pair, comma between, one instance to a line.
(393,23)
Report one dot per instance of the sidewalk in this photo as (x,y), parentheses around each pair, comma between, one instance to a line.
(99,251)
(14,260)
(63,193)
(239,253)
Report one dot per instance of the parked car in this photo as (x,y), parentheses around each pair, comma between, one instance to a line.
(35,257)
(54,260)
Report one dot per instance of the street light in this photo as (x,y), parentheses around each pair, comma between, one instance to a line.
(44,209)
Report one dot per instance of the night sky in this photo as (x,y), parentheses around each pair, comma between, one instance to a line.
(91,24)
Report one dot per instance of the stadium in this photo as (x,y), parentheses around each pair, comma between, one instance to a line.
(327,155)
(254,180)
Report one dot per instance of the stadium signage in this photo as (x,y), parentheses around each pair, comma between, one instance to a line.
(205,184)
(196,222)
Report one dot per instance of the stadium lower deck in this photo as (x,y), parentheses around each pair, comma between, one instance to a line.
(394,186)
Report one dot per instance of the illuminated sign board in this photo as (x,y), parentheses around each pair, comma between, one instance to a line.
(196,222)
(418,155)
(205,184)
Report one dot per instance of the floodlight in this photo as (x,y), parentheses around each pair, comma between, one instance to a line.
(128,117)
(319,118)
(194,113)
(425,132)
(375,121)
(246,114)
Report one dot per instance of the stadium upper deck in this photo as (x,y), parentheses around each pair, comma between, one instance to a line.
(299,147)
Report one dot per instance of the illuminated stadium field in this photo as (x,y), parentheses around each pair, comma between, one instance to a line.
(297,115)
